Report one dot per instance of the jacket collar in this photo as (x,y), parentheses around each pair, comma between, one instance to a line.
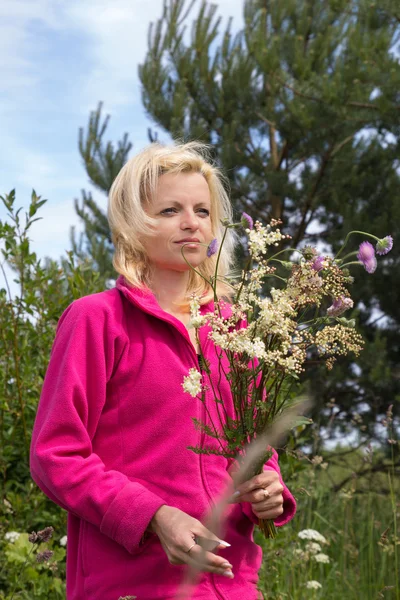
(145,299)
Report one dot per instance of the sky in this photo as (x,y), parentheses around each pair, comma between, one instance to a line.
(58,60)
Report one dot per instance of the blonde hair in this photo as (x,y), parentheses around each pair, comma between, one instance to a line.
(134,186)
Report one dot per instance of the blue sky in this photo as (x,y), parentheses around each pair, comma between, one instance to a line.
(58,59)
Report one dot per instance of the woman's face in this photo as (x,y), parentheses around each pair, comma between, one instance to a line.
(181,206)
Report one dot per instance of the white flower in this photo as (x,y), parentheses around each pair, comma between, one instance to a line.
(322,558)
(313,585)
(191,383)
(196,319)
(312,534)
(262,236)
(258,349)
(313,547)
(63,541)
(11,536)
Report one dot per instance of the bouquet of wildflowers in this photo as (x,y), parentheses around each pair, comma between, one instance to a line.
(264,342)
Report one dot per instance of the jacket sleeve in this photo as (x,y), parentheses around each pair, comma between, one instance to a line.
(289,503)
(86,348)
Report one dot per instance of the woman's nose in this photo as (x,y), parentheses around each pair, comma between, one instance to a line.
(189,221)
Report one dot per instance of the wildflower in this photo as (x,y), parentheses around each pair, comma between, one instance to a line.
(384,245)
(317,460)
(339,306)
(260,237)
(8,506)
(313,585)
(366,255)
(41,536)
(322,558)
(196,319)
(313,547)
(44,556)
(63,541)
(11,536)
(312,534)
(318,263)
(338,340)
(247,221)
(191,383)
(212,247)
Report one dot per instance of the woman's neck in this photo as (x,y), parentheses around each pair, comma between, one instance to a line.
(169,287)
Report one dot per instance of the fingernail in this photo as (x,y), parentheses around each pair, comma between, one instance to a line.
(228,574)
(236,495)
(224,544)
(226,566)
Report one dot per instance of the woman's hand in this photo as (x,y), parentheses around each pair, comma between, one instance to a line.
(178,532)
(264,492)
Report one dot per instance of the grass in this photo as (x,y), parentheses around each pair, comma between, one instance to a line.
(360,525)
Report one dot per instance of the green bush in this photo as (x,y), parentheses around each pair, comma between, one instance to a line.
(28,321)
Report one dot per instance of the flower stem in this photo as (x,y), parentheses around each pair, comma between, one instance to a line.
(192,267)
(284,250)
(353,262)
(217,263)
(350,233)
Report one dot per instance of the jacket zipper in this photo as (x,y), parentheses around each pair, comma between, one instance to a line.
(202,435)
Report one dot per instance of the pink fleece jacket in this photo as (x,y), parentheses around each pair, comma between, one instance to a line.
(110,446)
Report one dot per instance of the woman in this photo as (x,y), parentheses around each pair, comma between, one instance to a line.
(110,441)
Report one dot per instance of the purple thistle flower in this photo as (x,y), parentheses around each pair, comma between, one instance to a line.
(44,556)
(41,536)
(384,245)
(33,537)
(212,247)
(247,221)
(339,306)
(366,255)
(46,534)
(317,264)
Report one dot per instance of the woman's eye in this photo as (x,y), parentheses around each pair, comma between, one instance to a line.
(169,211)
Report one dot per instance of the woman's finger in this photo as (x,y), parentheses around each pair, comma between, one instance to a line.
(262,480)
(269,513)
(207,561)
(263,493)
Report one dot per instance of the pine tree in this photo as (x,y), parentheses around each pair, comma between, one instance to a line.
(102,162)
(302,110)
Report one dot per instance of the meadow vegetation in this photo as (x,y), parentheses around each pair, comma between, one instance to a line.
(343,543)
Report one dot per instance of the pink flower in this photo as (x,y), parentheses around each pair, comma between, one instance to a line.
(339,306)
(317,264)
(247,221)
(366,255)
